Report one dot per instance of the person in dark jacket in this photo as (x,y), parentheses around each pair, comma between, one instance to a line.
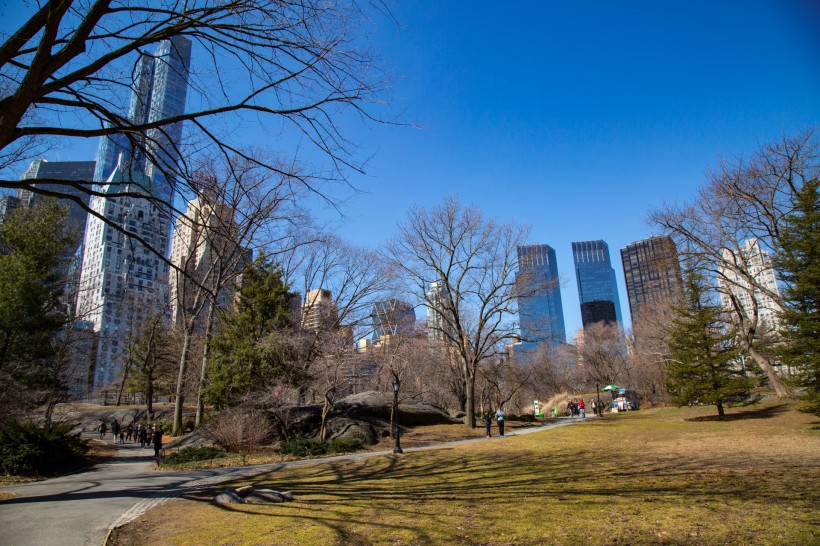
(488,423)
(157,441)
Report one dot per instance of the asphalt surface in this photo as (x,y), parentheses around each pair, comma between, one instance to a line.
(81,508)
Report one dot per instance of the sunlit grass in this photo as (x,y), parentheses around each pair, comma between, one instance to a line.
(661,476)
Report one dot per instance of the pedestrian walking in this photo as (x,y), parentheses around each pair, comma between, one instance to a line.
(143,435)
(115,429)
(149,435)
(488,423)
(102,428)
(157,439)
(129,432)
(582,409)
(499,417)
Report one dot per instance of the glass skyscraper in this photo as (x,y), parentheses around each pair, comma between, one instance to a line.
(540,311)
(597,287)
(159,92)
(124,283)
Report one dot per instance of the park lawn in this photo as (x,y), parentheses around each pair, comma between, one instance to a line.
(666,476)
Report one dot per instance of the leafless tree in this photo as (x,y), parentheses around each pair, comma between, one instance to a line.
(149,367)
(68,71)
(742,201)
(240,207)
(339,284)
(603,355)
(650,353)
(473,260)
(501,381)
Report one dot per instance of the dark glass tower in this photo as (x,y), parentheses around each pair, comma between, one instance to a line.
(392,318)
(597,287)
(652,273)
(540,311)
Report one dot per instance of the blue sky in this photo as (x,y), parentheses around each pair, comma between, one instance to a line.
(572,117)
(577,117)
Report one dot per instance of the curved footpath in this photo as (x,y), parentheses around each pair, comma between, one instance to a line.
(82,508)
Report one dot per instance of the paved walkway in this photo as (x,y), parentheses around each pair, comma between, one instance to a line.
(82,508)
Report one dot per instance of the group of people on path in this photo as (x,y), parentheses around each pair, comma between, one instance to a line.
(145,434)
(499,418)
(577,408)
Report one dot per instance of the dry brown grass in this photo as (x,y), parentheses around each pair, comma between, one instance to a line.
(667,476)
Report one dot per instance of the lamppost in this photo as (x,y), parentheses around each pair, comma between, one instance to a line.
(396,384)
(598,405)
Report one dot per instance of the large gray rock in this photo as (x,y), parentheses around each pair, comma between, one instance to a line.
(197,438)
(364,416)
(250,495)
(228,496)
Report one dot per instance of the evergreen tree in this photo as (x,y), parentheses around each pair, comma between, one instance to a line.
(247,352)
(798,264)
(703,365)
(33,245)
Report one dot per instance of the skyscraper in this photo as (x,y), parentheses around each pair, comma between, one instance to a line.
(392,318)
(597,287)
(202,248)
(753,298)
(319,312)
(79,171)
(123,283)
(652,273)
(540,311)
(160,90)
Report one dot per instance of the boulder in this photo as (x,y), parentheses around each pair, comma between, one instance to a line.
(250,495)
(228,496)
(342,428)
(197,438)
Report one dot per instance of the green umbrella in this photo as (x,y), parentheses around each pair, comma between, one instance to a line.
(611,388)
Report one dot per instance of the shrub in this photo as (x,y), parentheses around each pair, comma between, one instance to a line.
(240,431)
(191,454)
(344,445)
(27,449)
(314,448)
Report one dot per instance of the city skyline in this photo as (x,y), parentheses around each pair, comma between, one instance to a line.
(576,137)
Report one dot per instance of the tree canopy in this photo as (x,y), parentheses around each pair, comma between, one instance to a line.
(703,367)
(246,353)
(798,262)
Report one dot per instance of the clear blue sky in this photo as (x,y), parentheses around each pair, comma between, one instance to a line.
(577,117)
(574,117)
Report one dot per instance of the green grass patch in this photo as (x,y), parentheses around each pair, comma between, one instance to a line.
(666,476)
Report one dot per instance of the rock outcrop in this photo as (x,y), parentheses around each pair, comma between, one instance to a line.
(251,495)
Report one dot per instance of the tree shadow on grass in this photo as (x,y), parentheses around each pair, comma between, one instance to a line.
(759,413)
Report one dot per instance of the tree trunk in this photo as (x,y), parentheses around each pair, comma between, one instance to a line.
(325,412)
(776,383)
(122,382)
(200,402)
(721,412)
(183,368)
(149,400)
(469,376)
